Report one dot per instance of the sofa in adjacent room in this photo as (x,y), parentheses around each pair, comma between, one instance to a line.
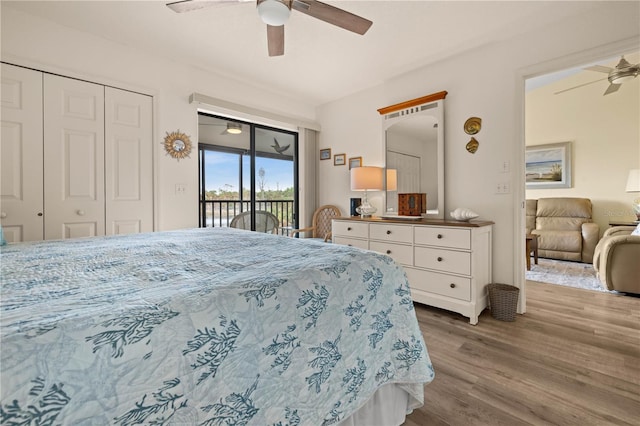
(564,227)
(616,259)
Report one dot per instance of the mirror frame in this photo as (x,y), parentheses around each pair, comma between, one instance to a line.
(431,105)
(172,145)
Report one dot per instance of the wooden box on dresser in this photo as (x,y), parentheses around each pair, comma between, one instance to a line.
(448,263)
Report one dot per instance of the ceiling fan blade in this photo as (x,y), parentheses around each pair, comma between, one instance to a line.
(578,86)
(189,5)
(275,40)
(612,88)
(599,68)
(332,15)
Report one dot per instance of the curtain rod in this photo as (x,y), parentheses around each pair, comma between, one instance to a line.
(251,114)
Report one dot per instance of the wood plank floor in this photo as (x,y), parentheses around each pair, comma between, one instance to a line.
(572,359)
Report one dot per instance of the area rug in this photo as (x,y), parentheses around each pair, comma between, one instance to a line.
(571,274)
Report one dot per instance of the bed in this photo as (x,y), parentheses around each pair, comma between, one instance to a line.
(212,326)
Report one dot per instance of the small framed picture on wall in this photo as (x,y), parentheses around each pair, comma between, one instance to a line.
(339,159)
(325,154)
(355,162)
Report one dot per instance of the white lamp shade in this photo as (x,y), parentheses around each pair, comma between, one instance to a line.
(392,180)
(633,181)
(367,178)
(273,12)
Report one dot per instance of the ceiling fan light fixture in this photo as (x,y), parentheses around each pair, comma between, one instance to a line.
(234,128)
(623,72)
(622,77)
(273,12)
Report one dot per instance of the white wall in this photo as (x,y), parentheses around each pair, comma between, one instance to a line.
(43,45)
(605,134)
(486,83)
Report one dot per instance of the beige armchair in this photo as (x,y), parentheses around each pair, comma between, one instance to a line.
(265,221)
(564,227)
(617,259)
(320,223)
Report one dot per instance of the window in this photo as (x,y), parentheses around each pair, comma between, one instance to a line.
(246,167)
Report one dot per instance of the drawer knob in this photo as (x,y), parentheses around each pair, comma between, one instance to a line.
(452,285)
(388,232)
(3,215)
(439,236)
(80,212)
(349,229)
(439,259)
(388,251)
(40,214)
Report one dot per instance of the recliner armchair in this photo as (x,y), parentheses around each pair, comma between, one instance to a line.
(616,259)
(564,227)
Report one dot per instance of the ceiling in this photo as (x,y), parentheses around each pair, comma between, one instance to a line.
(321,62)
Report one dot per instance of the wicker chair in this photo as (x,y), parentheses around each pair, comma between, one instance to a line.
(320,223)
(265,222)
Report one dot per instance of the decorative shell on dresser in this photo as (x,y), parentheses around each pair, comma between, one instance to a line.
(463,214)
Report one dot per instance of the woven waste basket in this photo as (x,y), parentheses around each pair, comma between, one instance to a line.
(503,301)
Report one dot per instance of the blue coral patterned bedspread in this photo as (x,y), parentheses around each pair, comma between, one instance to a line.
(211,326)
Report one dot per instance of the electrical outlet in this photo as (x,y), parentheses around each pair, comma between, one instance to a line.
(181,189)
(504,166)
(503,188)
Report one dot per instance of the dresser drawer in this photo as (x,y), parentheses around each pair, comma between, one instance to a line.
(443,237)
(350,229)
(399,253)
(442,284)
(363,244)
(458,262)
(388,232)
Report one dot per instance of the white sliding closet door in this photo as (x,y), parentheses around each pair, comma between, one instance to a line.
(128,162)
(74,158)
(21,195)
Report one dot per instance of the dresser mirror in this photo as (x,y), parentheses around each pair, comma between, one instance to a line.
(414,152)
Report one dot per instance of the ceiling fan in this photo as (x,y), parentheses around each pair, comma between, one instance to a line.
(231,127)
(622,73)
(275,13)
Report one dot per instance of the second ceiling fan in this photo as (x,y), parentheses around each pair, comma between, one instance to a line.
(623,72)
(275,13)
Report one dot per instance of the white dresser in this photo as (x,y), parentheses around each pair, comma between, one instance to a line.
(448,263)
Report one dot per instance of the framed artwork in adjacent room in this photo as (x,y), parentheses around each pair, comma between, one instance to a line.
(339,159)
(548,166)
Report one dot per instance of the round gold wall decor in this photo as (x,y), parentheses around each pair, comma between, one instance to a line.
(473,125)
(177,145)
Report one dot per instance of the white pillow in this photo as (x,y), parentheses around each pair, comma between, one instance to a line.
(636,231)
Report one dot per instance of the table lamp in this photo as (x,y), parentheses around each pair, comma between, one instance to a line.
(633,185)
(392,180)
(367,179)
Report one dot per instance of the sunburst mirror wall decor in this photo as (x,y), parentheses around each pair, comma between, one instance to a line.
(177,145)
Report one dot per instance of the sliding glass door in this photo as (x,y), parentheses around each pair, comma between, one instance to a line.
(246,168)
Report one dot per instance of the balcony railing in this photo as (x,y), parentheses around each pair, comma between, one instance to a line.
(220,213)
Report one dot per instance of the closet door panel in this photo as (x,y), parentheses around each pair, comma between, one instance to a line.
(128,162)
(74,158)
(21,193)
